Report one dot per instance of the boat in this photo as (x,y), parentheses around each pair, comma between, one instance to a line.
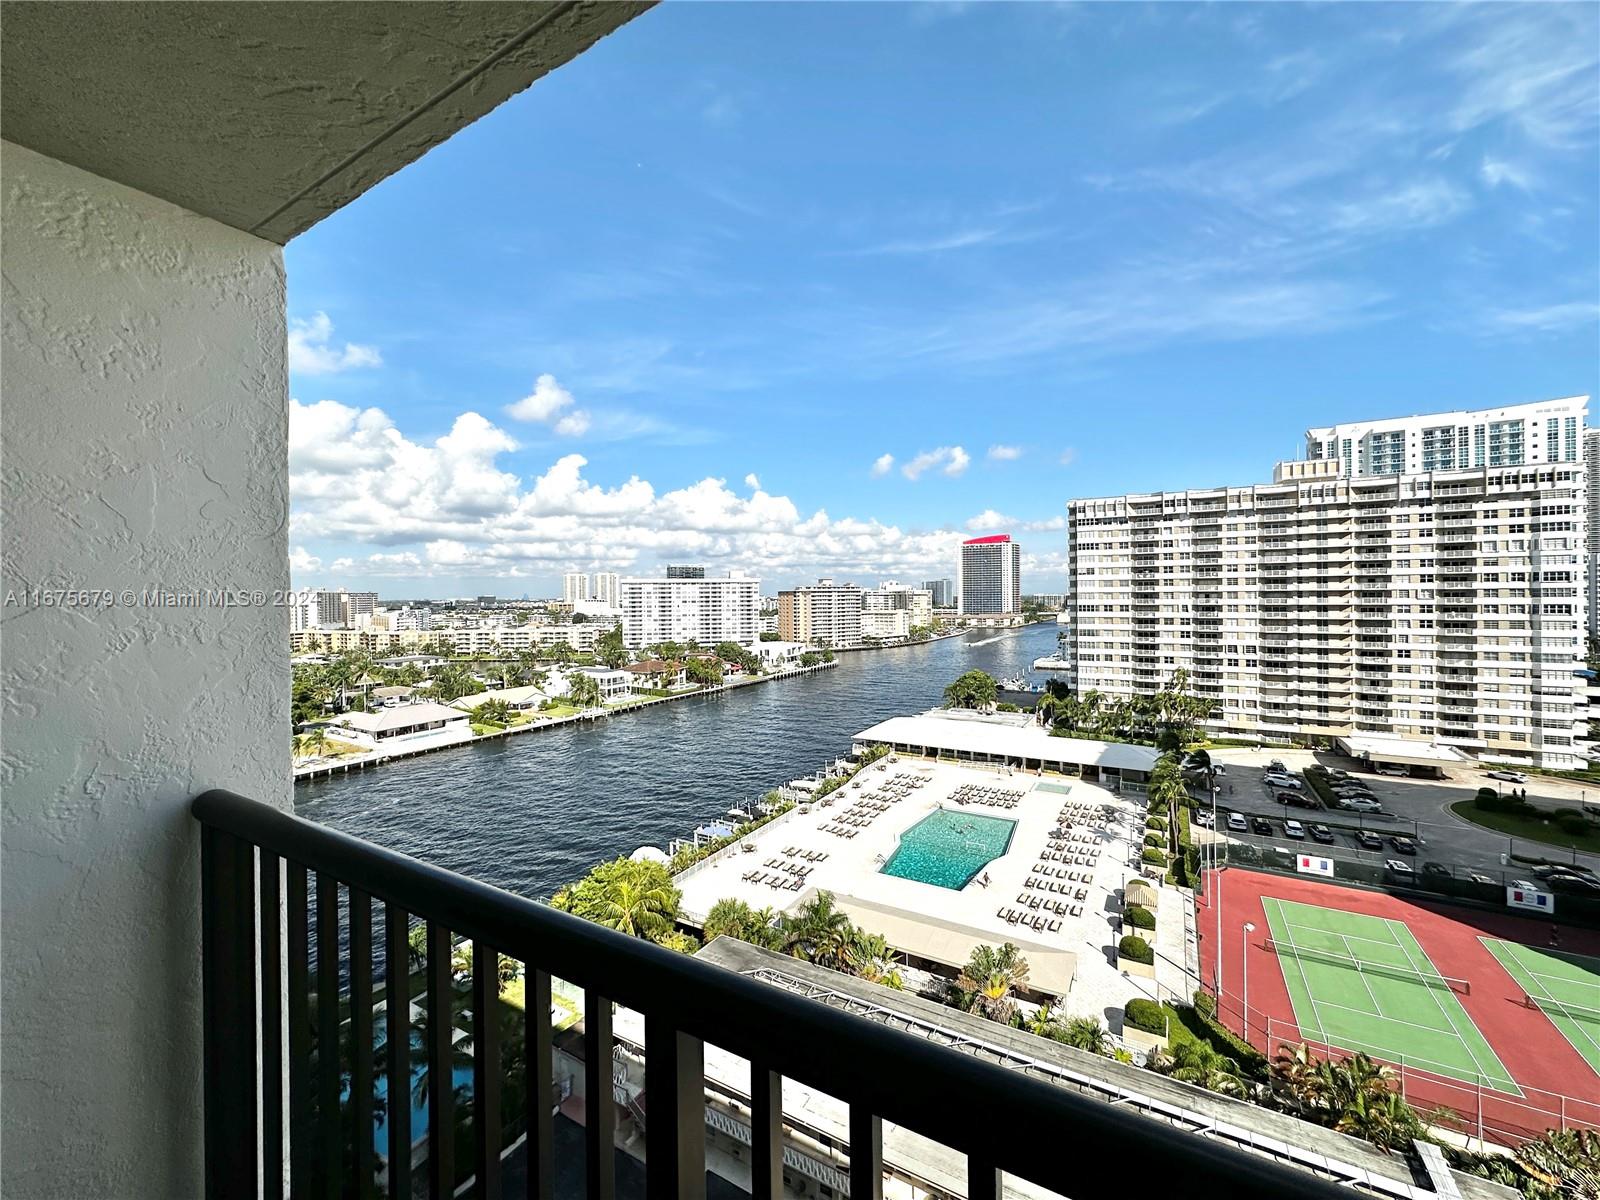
(1018,684)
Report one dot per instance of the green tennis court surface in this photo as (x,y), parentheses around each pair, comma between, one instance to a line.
(1565,987)
(1363,984)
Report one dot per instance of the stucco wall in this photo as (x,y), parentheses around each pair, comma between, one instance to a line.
(144,447)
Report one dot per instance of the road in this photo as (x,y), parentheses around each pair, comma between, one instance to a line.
(1420,809)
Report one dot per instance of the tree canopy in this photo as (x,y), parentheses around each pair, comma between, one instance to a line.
(975,689)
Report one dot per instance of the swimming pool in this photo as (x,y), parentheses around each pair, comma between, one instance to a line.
(948,848)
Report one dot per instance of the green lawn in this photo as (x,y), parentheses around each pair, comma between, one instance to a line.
(1529,829)
(1565,987)
(1395,1006)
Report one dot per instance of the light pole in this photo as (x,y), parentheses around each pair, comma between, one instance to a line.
(1244,964)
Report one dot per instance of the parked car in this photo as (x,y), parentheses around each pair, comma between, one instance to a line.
(1508,776)
(1203,818)
(1261,825)
(1237,823)
(1359,804)
(1337,774)
(1368,840)
(1436,870)
(1480,877)
(1393,769)
(1294,829)
(1403,844)
(1276,780)
(1400,867)
(1573,883)
(1350,785)
(1322,833)
(1277,765)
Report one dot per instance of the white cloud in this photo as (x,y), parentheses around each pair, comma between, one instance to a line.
(447,509)
(951,460)
(1069,456)
(989,519)
(750,481)
(301,560)
(1495,172)
(312,352)
(549,404)
(1550,318)
(882,465)
(1004,453)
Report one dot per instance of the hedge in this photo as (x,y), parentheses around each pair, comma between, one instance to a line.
(1134,947)
(1320,785)
(1155,840)
(1140,917)
(1230,1043)
(1156,823)
(1146,1015)
(1205,1004)
(1154,857)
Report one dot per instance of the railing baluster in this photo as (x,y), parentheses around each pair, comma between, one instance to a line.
(361,1042)
(486,1068)
(441,1067)
(600,1111)
(301,1124)
(328,1122)
(271,1028)
(675,1132)
(766,1133)
(397,1012)
(866,1153)
(228,933)
(540,1066)
(983,1180)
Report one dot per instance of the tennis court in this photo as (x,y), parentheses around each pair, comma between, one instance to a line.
(1363,983)
(1565,987)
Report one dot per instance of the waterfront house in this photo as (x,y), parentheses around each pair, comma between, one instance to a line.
(518,699)
(391,727)
(615,683)
(393,694)
(163,1035)
(776,656)
(653,674)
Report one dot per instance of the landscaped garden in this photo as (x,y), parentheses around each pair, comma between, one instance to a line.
(1569,828)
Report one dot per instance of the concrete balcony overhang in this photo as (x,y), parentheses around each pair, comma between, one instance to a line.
(269,117)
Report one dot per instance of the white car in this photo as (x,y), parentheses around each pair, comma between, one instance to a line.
(1282,781)
(1508,776)
(1294,829)
(1360,804)
(1393,769)
(1237,823)
(1399,867)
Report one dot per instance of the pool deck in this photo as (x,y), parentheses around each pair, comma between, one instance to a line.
(852,870)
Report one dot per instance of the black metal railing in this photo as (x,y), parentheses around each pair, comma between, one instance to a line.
(280,889)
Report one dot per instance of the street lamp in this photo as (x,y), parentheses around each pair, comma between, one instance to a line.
(1244,963)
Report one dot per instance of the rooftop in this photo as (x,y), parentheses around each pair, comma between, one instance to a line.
(403,717)
(968,733)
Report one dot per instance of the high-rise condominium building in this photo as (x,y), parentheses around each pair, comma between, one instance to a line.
(574,587)
(991,575)
(605,588)
(706,611)
(893,610)
(1549,431)
(356,605)
(943,592)
(824,612)
(1591,464)
(680,572)
(1442,605)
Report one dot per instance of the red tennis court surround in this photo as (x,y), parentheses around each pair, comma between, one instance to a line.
(1560,1089)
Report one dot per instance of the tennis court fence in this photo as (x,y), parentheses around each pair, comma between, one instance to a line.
(1431,979)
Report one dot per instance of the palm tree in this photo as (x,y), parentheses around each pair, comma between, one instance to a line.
(1085,1033)
(1201,1063)
(1382,1118)
(818,929)
(638,908)
(1042,1021)
(313,742)
(989,979)
(875,961)
(734,918)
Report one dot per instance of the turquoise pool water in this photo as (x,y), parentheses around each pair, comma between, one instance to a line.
(1057,788)
(947,848)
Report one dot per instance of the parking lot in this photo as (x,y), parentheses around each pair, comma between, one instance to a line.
(1415,808)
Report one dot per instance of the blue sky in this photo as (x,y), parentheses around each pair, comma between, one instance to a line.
(821,289)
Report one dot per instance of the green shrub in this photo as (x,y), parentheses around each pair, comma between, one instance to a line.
(1205,1004)
(1139,917)
(1156,823)
(1134,947)
(1155,839)
(1575,824)
(1153,856)
(1146,1015)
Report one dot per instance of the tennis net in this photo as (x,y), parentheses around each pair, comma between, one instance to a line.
(1365,967)
(1551,1006)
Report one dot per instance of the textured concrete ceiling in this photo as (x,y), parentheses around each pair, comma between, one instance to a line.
(270,116)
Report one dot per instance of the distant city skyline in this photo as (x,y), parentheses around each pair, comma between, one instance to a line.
(624,321)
